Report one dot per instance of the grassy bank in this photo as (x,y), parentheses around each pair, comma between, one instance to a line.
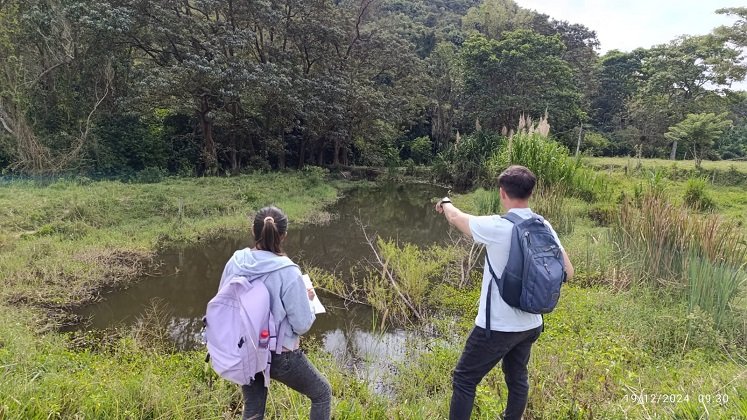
(63,243)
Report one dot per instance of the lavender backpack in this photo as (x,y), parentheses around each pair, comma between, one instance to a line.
(240,330)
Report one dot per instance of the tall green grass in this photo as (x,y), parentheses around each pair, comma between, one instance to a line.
(696,196)
(549,201)
(713,286)
(550,162)
(669,247)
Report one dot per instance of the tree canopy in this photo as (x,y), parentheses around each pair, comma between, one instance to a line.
(698,132)
(112,87)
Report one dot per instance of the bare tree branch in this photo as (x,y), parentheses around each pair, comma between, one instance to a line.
(365,4)
(386,273)
(2,120)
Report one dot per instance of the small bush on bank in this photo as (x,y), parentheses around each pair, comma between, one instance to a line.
(421,150)
(464,164)
(696,196)
(151,175)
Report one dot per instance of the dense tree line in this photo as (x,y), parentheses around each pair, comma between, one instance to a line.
(109,87)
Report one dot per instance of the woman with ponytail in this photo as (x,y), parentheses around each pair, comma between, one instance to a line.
(289,304)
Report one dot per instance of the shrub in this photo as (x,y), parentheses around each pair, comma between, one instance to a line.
(127,144)
(314,175)
(696,196)
(151,175)
(399,285)
(594,144)
(421,150)
(464,164)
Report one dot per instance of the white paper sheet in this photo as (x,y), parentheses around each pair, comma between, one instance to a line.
(315,304)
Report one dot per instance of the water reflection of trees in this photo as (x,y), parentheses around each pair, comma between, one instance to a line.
(186,332)
(402,212)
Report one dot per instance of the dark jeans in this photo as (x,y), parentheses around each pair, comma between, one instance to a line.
(294,370)
(480,355)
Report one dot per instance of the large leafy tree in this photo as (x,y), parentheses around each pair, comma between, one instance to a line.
(680,78)
(618,75)
(494,17)
(698,132)
(737,32)
(195,57)
(522,73)
(218,85)
(57,74)
(445,72)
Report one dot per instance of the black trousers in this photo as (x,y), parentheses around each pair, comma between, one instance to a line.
(480,355)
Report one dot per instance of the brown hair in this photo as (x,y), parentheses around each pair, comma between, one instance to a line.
(270,225)
(517,181)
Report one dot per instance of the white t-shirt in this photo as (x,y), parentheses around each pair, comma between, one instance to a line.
(495,233)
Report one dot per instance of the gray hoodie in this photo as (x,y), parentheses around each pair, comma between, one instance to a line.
(289,301)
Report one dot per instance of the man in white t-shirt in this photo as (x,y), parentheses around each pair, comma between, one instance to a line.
(512,331)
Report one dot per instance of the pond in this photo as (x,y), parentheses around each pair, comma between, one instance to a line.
(187,277)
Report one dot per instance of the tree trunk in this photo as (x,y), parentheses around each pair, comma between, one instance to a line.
(673,154)
(209,154)
(235,137)
(281,149)
(336,157)
(302,153)
(234,155)
(344,158)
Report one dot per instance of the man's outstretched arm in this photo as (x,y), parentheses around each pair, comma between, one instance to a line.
(454,216)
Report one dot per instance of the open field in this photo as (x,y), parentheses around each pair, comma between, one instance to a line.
(730,197)
(631,162)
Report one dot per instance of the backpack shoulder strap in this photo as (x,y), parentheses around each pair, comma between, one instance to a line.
(513,218)
(488,296)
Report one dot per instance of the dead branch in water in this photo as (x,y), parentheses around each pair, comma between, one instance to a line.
(387,273)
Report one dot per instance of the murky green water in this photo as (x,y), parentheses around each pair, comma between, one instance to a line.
(187,278)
